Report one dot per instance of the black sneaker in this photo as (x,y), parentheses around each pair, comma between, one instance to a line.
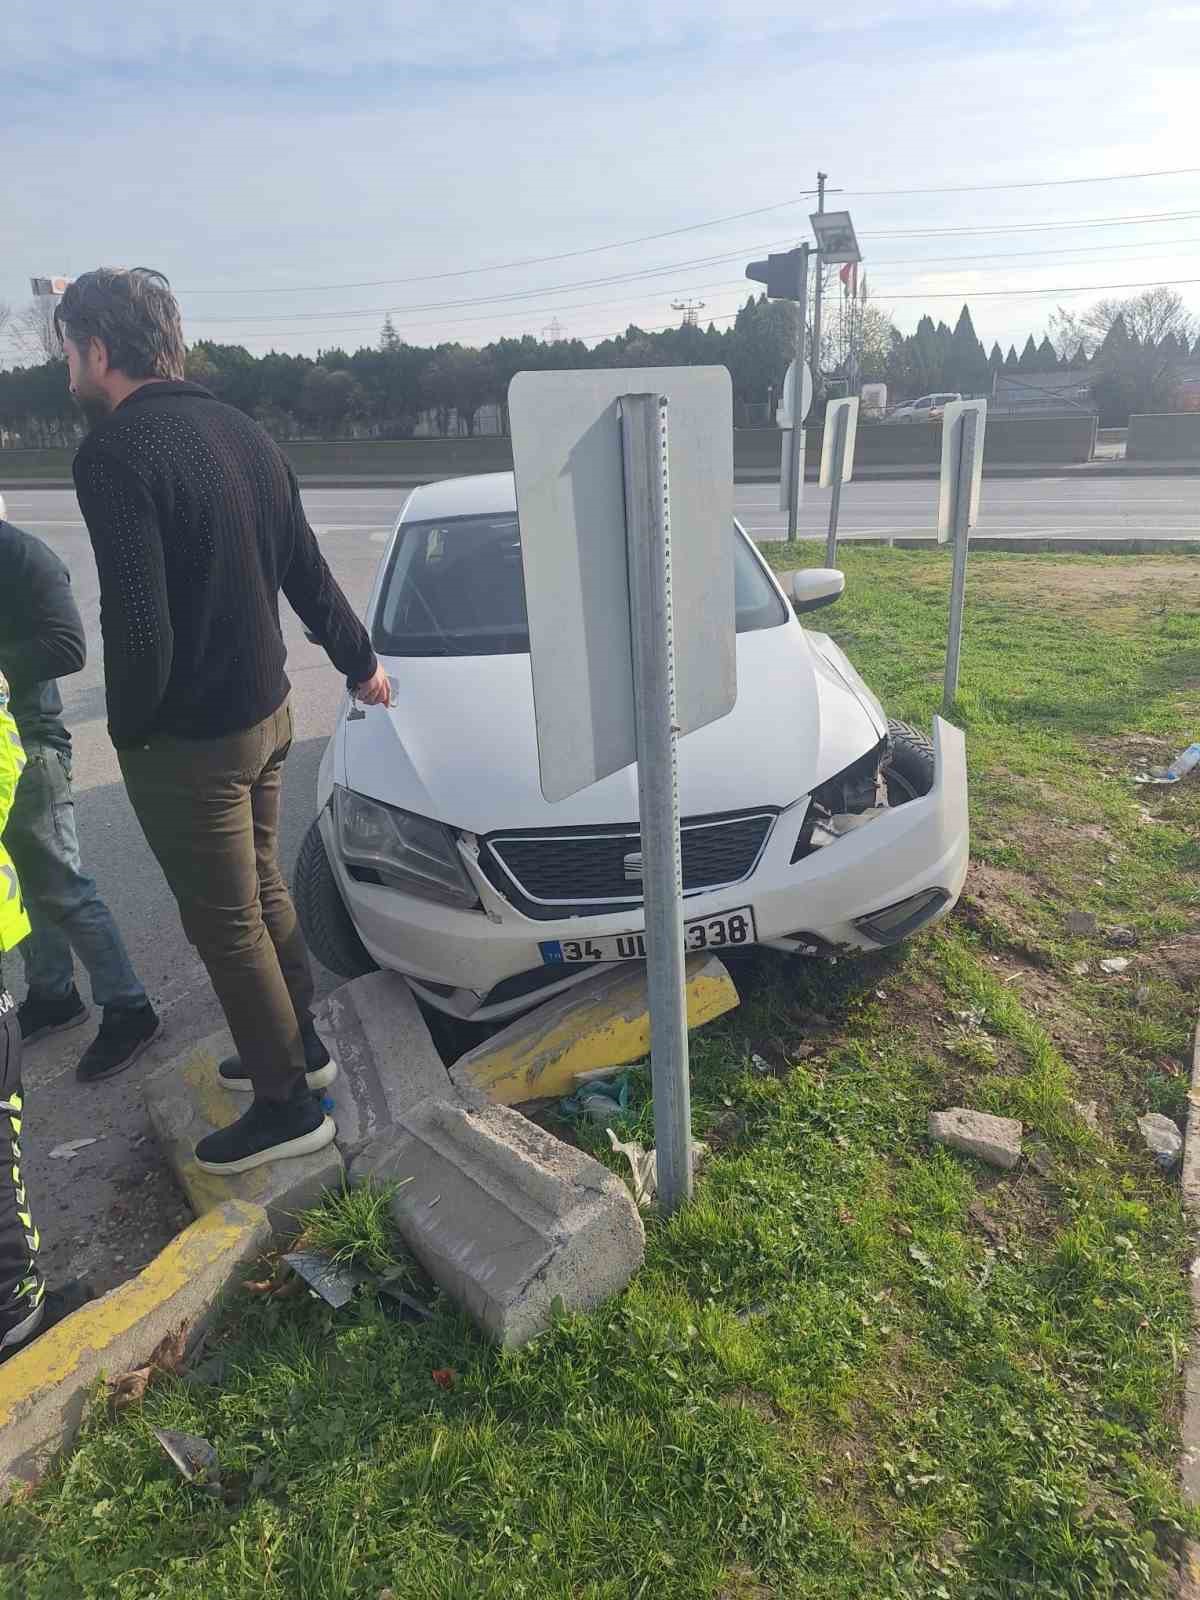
(41,1014)
(321,1068)
(271,1130)
(122,1038)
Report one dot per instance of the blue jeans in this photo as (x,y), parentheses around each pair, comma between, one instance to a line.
(65,911)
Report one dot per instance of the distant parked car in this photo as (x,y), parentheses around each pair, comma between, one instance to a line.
(928,408)
(810,820)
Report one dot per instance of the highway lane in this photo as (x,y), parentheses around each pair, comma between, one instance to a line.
(1099,509)
(107,1211)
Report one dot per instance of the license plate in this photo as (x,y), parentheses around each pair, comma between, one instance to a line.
(730,929)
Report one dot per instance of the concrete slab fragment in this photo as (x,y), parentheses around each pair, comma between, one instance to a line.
(996,1140)
(504,1216)
(604,1022)
(185,1101)
(43,1389)
(386,1057)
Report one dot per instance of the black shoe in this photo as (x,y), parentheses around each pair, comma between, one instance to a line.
(321,1068)
(122,1038)
(271,1130)
(19,1324)
(41,1014)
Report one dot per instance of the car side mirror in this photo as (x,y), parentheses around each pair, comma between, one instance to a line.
(814,587)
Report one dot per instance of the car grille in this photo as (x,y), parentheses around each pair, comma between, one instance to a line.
(588,868)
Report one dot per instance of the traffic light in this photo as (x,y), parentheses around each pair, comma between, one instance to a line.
(781,273)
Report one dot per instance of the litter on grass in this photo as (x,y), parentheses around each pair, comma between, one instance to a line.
(195,1457)
(1183,763)
(643,1166)
(599,1100)
(1114,964)
(334,1283)
(337,1284)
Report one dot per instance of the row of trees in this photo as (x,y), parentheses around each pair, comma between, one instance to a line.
(1130,349)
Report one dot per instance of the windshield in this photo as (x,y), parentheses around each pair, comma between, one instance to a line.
(456,588)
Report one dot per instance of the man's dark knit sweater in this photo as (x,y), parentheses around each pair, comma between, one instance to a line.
(196,524)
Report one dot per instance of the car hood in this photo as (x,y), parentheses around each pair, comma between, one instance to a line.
(460,744)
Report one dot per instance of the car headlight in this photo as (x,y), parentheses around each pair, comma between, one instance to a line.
(383,845)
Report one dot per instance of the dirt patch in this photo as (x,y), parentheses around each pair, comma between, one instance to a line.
(743,1398)
(991,903)
(740,1583)
(1179,957)
(1106,585)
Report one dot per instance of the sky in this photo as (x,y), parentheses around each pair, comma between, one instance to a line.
(300,169)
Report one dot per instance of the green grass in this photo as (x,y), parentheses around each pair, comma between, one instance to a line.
(856,1365)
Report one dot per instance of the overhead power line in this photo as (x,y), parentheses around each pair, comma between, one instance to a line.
(880,293)
(1033,183)
(691,227)
(1032,227)
(296,318)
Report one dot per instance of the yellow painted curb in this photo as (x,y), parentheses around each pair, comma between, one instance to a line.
(604,1022)
(42,1388)
(186,1100)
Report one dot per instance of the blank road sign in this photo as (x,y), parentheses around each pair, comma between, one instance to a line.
(566,437)
(952,429)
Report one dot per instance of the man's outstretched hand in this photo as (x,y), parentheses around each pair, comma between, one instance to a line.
(376,691)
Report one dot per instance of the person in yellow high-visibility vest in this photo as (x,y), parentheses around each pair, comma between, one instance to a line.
(22,1289)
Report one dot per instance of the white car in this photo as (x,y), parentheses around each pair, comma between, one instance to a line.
(929,408)
(810,824)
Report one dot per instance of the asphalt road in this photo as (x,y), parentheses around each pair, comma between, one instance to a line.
(1097,509)
(1012,508)
(108,1210)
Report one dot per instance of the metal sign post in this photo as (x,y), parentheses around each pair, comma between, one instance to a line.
(837,462)
(958,510)
(789,416)
(600,479)
(648,540)
(795,441)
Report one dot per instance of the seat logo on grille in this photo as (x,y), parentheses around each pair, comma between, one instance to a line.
(632,864)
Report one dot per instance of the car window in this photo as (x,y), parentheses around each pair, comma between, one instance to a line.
(923,404)
(456,588)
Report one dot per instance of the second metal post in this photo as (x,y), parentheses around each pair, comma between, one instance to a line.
(835,499)
(962,540)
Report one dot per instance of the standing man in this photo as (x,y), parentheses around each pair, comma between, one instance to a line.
(41,639)
(196,522)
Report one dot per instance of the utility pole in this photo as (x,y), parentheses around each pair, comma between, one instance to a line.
(818,387)
(691,311)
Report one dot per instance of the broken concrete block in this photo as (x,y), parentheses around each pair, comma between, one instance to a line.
(603,1022)
(386,1057)
(44,1388)
(185,1101)
(503,1216)
(996,1140)
(1162,1137)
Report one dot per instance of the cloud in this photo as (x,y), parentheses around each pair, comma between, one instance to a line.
(368,177)
(322,39)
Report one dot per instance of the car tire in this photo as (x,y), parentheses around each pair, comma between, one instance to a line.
(328,930)
(910,767)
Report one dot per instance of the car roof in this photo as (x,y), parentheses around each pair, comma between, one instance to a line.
(482,495)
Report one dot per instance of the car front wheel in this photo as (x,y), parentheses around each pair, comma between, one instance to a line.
(910,767)
(331,935)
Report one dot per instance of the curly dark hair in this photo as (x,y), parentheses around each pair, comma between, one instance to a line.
(132,311)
